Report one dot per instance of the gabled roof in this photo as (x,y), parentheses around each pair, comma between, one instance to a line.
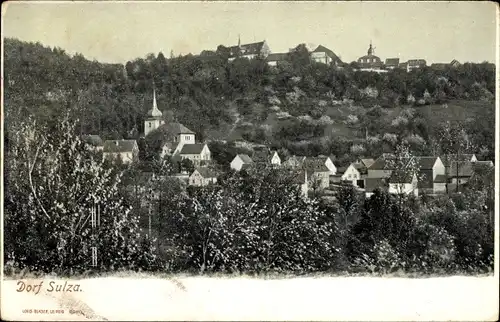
(206,172)
(426,163)
(313,165)
(294,160)
(246,49)
(464,168)
(449,158)
(329,52)
(245,158)
(174,128)
(119,146)
(362,169)
(367,161)
(263,155)
(392,61)
(92,139)
(192,148)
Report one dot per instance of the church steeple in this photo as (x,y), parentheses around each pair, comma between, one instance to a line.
(154,112)
(239,41)
(371,49)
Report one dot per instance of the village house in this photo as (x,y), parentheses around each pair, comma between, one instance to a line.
(415,64)
(391,63)
(264,155)
(249,51)
(325,56)
(198,153)
(430,167)
(337,177)
(403,182)
(455,63)
(94,142)
(370,61)
(462,171)
(126,150)
(352,175)
(379,168)
(294,161)
(357,172)
(317,173)
(202,176)
(241,161)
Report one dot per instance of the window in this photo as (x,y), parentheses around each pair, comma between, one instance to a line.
(149,124)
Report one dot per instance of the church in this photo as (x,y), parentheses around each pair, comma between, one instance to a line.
(175,138)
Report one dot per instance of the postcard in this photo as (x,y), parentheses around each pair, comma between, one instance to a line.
(249,161)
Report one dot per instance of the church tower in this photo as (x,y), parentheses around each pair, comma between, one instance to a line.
(154,117)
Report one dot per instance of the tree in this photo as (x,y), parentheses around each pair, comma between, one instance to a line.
(53,182)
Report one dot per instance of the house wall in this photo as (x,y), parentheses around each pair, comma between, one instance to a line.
(461,180)
(237,163)
(185,139)
(276,159)
(439,187)
(320,57)
(351,174)
(438,168)
(320,180)
(196,179)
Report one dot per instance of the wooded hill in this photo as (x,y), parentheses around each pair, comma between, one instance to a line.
(304,107)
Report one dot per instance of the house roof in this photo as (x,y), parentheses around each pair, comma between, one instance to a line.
(381,162)
(246,49)
(315,165)
(205,172)
(277,57)
(449,158)
(119,146)
(439,65)
(192,148)
(440,178)
(295,160)
(367,161)
(92,139)
(329,52)
(340,171)
(245,158)
(426,162)
(174,128)
(392,61)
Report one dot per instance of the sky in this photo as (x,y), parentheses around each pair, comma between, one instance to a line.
(116,32)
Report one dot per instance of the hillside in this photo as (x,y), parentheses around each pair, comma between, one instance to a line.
(306,108)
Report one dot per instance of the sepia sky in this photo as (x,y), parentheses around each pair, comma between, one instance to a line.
(118,32)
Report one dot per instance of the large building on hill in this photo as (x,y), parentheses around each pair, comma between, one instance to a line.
(249,51)
(370,61)
(126,150)
(325,56)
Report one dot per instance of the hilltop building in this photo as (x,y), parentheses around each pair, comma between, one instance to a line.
(370,61)
(249,51)
(325,56)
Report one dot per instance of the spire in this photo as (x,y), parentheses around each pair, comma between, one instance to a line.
(154,112)
(239,41)
(155,107)
(370,50)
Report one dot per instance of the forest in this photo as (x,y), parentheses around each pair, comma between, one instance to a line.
(250,222)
